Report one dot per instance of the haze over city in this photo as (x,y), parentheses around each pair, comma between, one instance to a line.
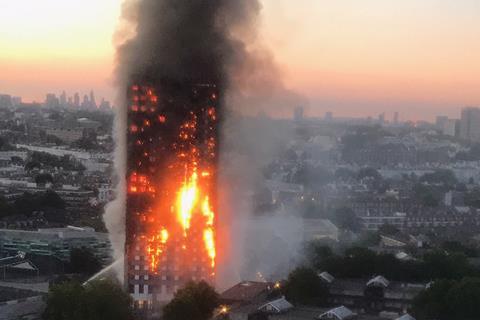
(354,58)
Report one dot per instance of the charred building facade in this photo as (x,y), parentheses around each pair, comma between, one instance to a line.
(172,151)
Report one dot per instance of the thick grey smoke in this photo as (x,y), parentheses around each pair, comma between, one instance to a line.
(185,40)
(191,41)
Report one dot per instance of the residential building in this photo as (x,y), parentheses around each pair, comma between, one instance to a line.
(470,124)
(55,242)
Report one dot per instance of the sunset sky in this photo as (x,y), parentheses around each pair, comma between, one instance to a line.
(351,57)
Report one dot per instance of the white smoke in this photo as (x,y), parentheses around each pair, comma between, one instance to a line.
(258,248)
(115,211)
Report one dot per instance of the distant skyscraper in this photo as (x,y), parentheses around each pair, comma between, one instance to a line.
(470,124)
(450,127)
(86,102)
(16,101)
(5,101)
(381,118)
(51,101)
(93,103)
(76,100)
(63,99)
(298,114)
(441,121)
(105,105)
(329,116)
(396,118)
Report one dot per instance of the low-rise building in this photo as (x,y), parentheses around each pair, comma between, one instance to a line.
(55,242)
(67,135)
(374,295)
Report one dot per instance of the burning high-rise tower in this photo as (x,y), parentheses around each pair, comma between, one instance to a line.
(172,164)
(173,72)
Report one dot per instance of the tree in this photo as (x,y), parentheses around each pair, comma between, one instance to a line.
(305,287)
(43,178)
(445,300)
(312,176)
(5,145)
(87,143)
(258,315)
(432,303)
(472,198)
(457,247)
(64,302)
(447,266)
(346,219)
(17,161)
(51,200)
(360,263)
(42,159)
(28,203)
(83,261)
(97,300)
(317,253)
(5,208)
(369,173)
(196,301)
(31,165)
(53,139)
(464,299)
(444,177)
(345,174)
(426,195)
(106,300)
(388,230)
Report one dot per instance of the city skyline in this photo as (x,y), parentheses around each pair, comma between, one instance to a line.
(420,58)
(83,100)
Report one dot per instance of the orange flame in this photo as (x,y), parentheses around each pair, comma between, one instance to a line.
(187,200)
(207,211)
(209,239)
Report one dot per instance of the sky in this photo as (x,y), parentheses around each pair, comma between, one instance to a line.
(350,57)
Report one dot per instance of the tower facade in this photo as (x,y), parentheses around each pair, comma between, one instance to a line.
(172,151)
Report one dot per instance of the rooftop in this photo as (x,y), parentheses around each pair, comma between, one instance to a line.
(246,291)
(339,313)
(277,306)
